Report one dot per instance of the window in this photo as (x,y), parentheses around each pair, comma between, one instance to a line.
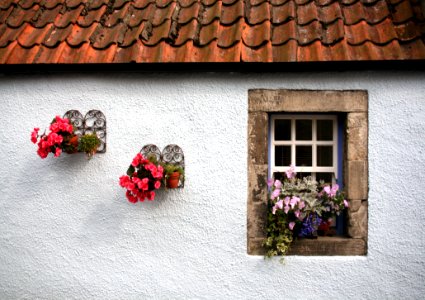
(309,142)
(305,119)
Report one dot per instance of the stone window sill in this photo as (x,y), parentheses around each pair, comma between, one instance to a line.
(322,246)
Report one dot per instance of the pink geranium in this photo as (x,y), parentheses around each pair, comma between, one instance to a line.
(143,177)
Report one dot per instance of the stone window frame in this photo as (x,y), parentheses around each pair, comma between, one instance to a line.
(352,103)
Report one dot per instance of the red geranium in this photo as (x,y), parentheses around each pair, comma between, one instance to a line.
(57,140)
(143,178)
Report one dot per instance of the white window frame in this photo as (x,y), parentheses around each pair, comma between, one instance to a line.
(314,143)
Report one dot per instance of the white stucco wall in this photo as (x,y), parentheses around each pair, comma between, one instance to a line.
(68,232)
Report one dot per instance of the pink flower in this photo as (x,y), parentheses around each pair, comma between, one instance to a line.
(270,182)
(287,199)
(294,201)
(137,159)
(291,172)
(297,213)
(275,194)
(278,184)
(58,152)
(150,195)
(286,209)
(291,225)
(157,184)
(346,204)
(278,205)
(301,204)
(34,135)
(131,198)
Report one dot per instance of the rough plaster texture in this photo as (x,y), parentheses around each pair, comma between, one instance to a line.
(67,231)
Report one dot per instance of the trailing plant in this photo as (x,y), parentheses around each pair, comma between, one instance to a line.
(296,207)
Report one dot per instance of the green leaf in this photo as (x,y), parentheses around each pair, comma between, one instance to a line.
(130,170)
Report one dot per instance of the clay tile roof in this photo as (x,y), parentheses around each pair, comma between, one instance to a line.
(154,31)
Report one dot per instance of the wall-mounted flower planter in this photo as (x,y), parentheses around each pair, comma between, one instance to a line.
(152,169)
(73,133)
(172,160)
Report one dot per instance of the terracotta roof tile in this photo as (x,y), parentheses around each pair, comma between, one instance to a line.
(45,16)
(258,14)
(4,14)
(92,4)
(56,36)
(208,33)
(210,13)
(80,35)
(75,3)
(307,13)
(81,31)
(361,32)
(283,13)
(142,3)
(189,13)
(283,33)
(117,16)
(401,12)
(70,16)
(255,36)
(373,14)
(261,54)
(91,17)
(228,36)
(19,16)
(286,52)
(23,55)
(231,13)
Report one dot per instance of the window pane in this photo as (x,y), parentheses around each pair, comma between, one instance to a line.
(303,130)
(282,156)
(279,176)
(303,156)
(324,156)
(324,130)
(326,177)
(282,130)
(302,175)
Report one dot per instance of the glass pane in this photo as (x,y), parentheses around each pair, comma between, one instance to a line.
(324,156)
(279,176)
(282,156)
(302,175)
(282,130)
(326,177)
(303,156)
(324,130)
(303,130)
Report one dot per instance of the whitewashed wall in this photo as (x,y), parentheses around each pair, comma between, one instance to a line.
(68,232)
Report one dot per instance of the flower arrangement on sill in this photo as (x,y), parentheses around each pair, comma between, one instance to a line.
(173,174)
(144,176)
(297,207)
(62,138)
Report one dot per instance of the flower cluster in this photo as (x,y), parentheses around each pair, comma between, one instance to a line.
(61,131)
(143,178)
(297,208)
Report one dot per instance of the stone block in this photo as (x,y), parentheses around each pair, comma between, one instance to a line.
(257,220)
(357,136)
(257,138)
(255,246)
(307,101)
(356,176)
(257,183)
(357,220)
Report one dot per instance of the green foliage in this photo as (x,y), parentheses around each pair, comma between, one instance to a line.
(88,143)
(171,168)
